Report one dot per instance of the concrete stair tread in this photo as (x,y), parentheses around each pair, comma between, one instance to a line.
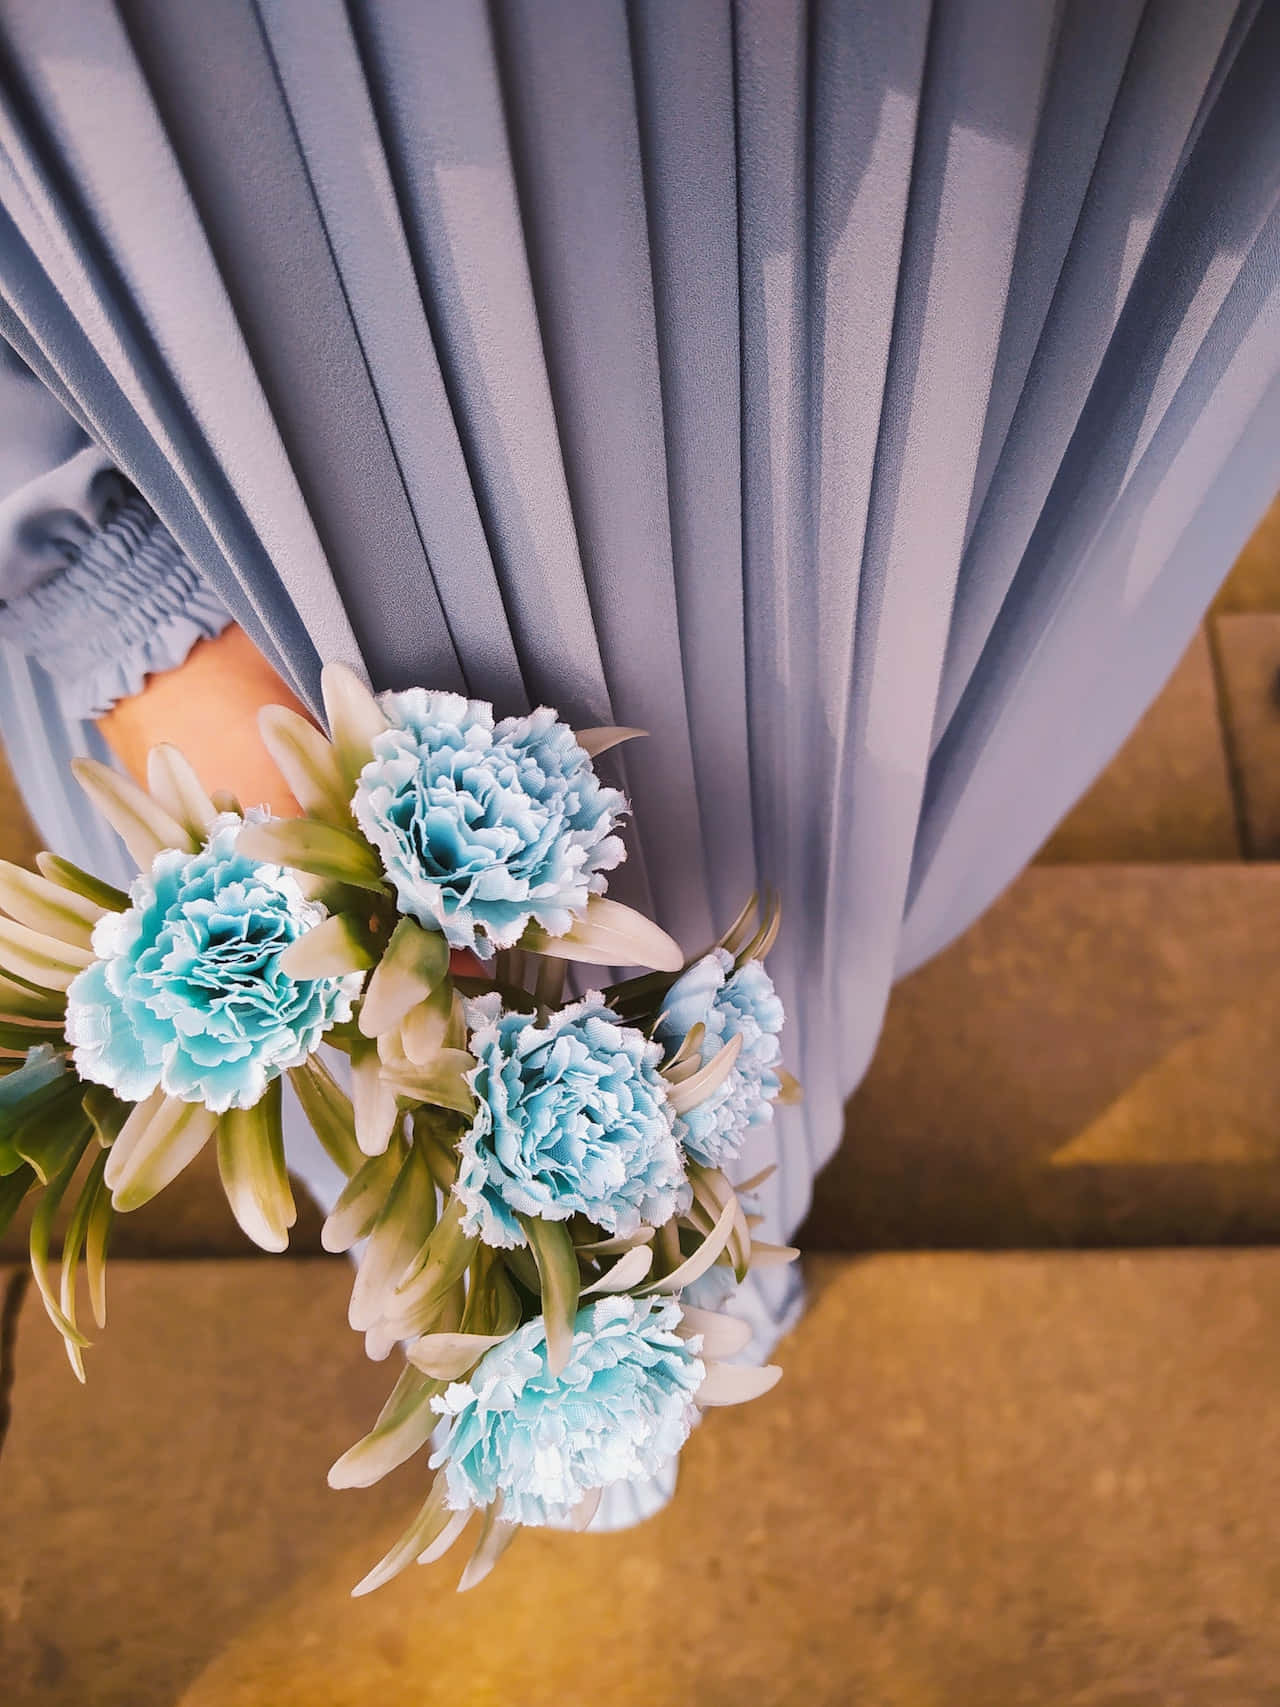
(1017,1478)
(1007,1046)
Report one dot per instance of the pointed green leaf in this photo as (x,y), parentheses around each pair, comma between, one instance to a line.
(323,850)
(496,1535)
(558,1274)
(448,1357)
(83,883)
(442,1082)
(41,1226)
(424,1290)
(425,1029)
(362,1198)
(106,1111)
(373,1099)
(609,934)
(177,789)
(398,1235)
(739,931)
(43,906)
(145,828)
(428,1527)
(721,1336)
(51,1133)
(13,1191)
(413,965)
(596,741)
(699,1085)
(701,1259)
(159,1139)
(308,763)
(629,1270)
(253,1173)
(328,1111)
(331,949)
(355,719)
(404,1426)
(22,1000)
(41,959)
(73,1241)
(736,1383)
(97,1237)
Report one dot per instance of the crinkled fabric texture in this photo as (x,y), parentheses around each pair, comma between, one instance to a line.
(483,827)
(187,994)
(572,1118)
(744,1005)
(127,604)
(621,1408)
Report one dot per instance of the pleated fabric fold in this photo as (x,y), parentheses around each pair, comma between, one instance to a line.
(864,399)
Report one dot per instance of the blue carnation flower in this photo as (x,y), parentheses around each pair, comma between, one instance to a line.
(744,1005)
(621,1408)
(483,827)
(187,994)
(572,1118)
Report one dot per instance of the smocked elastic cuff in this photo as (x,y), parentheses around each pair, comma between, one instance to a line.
(127,605)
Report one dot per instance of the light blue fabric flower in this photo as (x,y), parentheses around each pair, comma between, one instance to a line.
(483,827)
(187,993)
(621,1408)
(572,1118)
(745,1005)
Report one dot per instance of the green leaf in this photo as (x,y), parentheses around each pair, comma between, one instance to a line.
(703,1082)
(18,1037)
(373,1099)
(41,1226)
(145,828)
(448,1357)
(400,1231)
(424,1290)
(13,1190)
(331,949)
(106,1111)
(323,850)
(73,1241)
(414,963)
(40,959)
(362,1198)
(97,1238)
(404,1426)
(158,1140)
(355,720)
(328,1110)
(22,1000)
(442,1082)
(177,790)
(558,1277)
(68,876)
(253,1173)
(433,1521)
(701,1259)
(609,934)
(308,763)
(596,741)
(496,1535)
(43,906)
(50,1134)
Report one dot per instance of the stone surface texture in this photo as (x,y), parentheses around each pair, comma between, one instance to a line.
(993,1479)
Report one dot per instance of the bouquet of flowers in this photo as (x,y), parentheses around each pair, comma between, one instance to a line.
(538,1189)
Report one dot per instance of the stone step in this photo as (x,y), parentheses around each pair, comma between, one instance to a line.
(1035,1028)
(1015,1479)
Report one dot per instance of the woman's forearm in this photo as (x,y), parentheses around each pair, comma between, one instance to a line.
(208,706)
